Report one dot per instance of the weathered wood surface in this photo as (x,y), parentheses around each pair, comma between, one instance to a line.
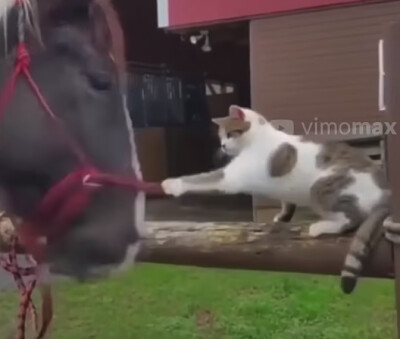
(249,246)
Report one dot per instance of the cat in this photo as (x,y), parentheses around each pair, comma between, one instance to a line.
(339,183)
(222,158)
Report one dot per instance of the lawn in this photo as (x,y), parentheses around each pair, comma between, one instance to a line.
(166,302)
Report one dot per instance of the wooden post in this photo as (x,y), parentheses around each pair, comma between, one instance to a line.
(391,67)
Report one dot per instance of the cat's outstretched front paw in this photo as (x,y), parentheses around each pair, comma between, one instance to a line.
(174,187)
(392,230)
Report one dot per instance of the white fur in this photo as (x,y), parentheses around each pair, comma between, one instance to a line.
(5,6)
(333,223)
(352,262)
(278,217)
(139,206)
(325,227)
(365,188)
(248,173)
(173,187)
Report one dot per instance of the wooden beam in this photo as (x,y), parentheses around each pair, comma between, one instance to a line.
(391,64)
(252,246)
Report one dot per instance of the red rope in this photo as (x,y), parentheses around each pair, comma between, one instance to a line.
(11,265)
(53,118)
(19,273)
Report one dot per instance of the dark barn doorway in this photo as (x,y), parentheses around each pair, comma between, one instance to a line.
(176,86)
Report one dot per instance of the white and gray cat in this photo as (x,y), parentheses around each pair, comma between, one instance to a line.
(339,183)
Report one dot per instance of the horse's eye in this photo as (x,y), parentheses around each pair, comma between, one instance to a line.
(100,81)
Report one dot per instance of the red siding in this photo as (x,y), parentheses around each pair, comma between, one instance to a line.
(184,13)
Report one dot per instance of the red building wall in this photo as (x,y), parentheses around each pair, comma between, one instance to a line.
(189,13)
(146,43)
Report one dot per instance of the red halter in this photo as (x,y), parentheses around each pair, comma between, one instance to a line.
(62,204)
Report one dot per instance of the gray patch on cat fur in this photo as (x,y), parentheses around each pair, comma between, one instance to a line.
(343,156)
(365,239)
(283,160)
(326,197)
(262,121)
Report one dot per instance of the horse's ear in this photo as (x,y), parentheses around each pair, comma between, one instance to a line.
(58,12)
(80,13)
(97,17)
(107,33)
(99,26)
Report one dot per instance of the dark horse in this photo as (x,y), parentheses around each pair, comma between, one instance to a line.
(78,63)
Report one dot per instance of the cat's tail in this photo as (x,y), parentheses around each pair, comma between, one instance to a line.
(364,241)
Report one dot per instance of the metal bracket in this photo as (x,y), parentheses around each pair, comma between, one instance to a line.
(392,230)
(392,226)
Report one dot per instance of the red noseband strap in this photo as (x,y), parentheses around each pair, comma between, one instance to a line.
(66,201)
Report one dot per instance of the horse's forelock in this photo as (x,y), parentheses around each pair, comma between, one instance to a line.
(31,15)
(117,44)
(5,7)
(30,8)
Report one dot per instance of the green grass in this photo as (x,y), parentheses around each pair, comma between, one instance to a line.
(165,302)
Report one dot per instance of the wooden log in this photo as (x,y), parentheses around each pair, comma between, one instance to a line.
(250,246)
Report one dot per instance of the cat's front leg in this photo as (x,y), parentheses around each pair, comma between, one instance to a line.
(286,213)
(198,183)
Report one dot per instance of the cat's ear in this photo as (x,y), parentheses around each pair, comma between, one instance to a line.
(237,112)
(217,121)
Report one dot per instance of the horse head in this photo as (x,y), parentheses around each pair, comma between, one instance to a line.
(79,70)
